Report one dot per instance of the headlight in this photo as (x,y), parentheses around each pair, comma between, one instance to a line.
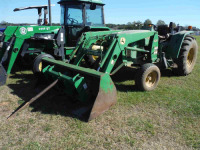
(45,36)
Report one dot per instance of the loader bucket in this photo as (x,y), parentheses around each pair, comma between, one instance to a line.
(3,75)
(106,97)
(95,90)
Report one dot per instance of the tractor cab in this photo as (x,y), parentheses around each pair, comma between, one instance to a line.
(81,16)
(39,9)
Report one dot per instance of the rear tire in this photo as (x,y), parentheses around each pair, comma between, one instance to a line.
(37,65)
(187,57)
(147,77)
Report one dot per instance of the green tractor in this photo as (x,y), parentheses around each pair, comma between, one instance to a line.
(39,21)
(97,53)
(141,49)
(18,42)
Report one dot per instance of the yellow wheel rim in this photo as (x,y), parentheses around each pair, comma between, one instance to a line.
(151,79)
(40,66)
(95,57)
(190,57)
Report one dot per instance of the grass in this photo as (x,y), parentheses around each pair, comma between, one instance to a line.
(167,118)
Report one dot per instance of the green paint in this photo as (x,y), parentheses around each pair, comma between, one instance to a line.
(77,84)
(22,33)
(75,77)
(175,43)
(106,83)
(154,48)
(8,33)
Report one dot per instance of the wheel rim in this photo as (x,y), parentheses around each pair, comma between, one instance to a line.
(151,79)
(190,57)
(40,67)
(95,57)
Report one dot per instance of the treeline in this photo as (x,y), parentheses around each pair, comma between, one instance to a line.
(4,24)
(139,25)
(129,26)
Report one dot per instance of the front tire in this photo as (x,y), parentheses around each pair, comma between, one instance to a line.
(187,57)
(148,77)
(38,65)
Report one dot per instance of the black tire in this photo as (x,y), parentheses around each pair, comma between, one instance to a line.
(187,57)
(36,64)
(147,77)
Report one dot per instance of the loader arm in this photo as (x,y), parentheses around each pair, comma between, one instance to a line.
(117,44)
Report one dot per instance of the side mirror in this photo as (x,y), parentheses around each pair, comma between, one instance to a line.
(93,6)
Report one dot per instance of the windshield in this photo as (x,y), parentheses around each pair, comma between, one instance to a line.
(94,17)
(72,14)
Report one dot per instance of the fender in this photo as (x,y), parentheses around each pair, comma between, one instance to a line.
(175,43)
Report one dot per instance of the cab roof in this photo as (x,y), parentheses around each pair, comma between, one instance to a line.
(86,1)
(31,7)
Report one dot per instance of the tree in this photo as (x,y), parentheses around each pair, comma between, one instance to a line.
(174,25)
(147,22)
(138,25)
(3,22)
(160,22)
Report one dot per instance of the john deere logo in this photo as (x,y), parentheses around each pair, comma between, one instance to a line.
(123,41)
(23,31)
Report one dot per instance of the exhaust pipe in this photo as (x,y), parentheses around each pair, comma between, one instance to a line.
(49,3)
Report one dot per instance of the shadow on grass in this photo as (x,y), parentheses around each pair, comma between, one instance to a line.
(53,102)
(125,74)
(25,86)
(130,74)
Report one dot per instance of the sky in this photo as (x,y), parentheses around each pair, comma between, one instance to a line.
(183,12)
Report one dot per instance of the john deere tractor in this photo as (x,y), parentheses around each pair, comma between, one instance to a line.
(90,54)
(89,80)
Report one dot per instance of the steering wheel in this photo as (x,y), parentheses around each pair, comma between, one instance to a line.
(73,21)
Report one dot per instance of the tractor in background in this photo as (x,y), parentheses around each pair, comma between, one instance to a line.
(39,22)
